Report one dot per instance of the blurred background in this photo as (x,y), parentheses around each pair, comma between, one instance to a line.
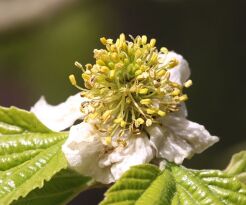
(40,40)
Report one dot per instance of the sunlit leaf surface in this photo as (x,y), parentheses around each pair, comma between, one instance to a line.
(30,154)
(175,185)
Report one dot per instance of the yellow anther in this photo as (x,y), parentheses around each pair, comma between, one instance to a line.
(144,39)
(138,53)
(145,101)
(123,123)
(72,79)
(106,115)
(140,77)
(183,98)
(95,69)
(83,93)
(166,76)
(93,115)
(164,50)
(143,91)
(154,58)
(139,122)
(122,37)
(85,76)
(172,63)
(109,41)
(152,42)
(143,68)
(110,48)
(118,120)
(100,62)
(138,72)
(115,57)
(108,140)
(117,43)
(176,92)
(88,66)
(148,122)
(111,74)
(176,85)
(138,61)
(111,64)
(144,75)
(160,73)
(105,58)
(188,83)
(103,40)
(161,113)
(104,69)
(150,111)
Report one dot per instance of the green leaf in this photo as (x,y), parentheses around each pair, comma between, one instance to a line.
(175,185)
(14,120)
(59,190)
(237,166)
(30,154)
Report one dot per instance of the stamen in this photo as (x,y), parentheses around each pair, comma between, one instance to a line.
(103,40)
(78,65)
(139,122)
(145,101)
(152,42)
(72,80)
(144,39)
(128,88)
(148,122)
(188,83)
(143,91)
(183,98)
(161,113)
(164,50)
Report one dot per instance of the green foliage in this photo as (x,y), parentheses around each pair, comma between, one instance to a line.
(30,154)
(175,185)
(33,172)
(59,190)
(237,166)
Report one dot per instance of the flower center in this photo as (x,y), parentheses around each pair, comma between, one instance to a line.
(128,87)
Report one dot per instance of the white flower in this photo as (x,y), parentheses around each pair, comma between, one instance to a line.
(90,151)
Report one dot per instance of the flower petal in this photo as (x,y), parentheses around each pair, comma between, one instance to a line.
(61,116)
(178,138)
(83,149)
(87,155)
(180,73)
(138,151)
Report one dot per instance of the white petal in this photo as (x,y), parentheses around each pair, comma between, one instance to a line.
(179,73)
(83,150)
(87,155)
(138,151)
(61,116)
(178,138)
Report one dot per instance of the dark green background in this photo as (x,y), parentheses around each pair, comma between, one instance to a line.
(36,60)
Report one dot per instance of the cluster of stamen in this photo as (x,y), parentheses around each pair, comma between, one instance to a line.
(128,87)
